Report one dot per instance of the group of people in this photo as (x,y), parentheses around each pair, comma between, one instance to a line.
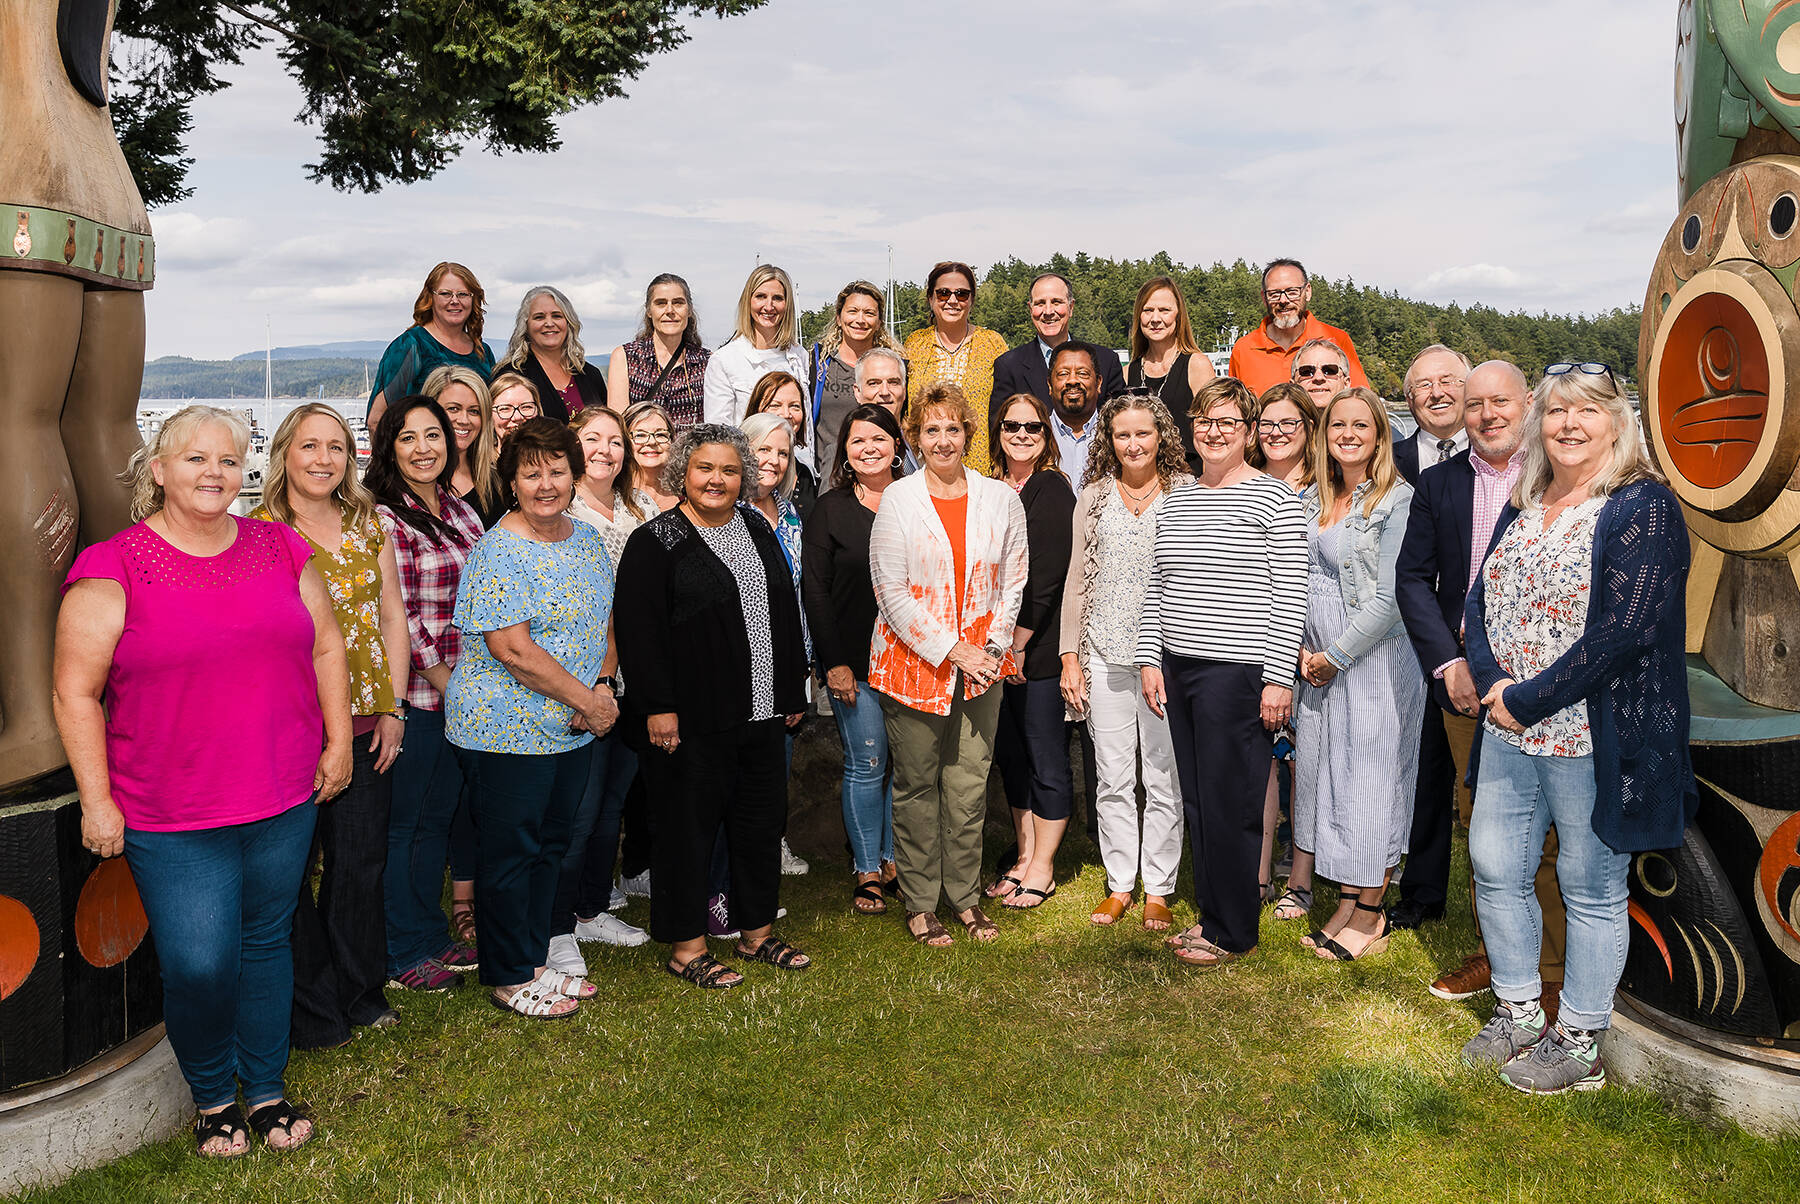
(564,615)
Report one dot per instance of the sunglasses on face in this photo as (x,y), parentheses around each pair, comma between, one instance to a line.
(961,294)
(1033,427)
(1307,371)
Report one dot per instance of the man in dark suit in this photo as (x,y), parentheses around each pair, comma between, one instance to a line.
(1434,393)
(1454,510)
(1026,368)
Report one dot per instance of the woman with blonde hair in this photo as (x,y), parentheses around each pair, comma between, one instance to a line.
(765,338)
(858,325)
(546,350)
(953,350)
(340,941)
(447,317)
(1357,717)
(516,402)
(651,430)
(1165,359)
(467,403)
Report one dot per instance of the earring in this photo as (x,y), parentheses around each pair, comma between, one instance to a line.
(898,462)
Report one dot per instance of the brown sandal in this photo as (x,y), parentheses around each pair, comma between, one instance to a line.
(1157,915)
(935,936)
(1112,908)
(979,926)
(462,921)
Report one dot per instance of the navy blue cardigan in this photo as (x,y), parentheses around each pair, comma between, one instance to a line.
(1629,665)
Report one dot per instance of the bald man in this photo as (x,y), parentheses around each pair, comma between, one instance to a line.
(1454,510)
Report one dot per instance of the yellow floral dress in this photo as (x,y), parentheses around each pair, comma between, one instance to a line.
(970,367)
(352,573)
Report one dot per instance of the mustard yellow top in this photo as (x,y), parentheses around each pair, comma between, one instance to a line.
(970,366)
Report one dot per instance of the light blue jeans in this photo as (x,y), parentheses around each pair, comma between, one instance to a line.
(868,790)
(1517,798)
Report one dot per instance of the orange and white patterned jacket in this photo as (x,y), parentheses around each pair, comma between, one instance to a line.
(912,567)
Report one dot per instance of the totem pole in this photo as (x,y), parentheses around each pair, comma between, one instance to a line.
(1716,924)
(77,979)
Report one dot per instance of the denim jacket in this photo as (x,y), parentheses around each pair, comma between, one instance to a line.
(1366,569)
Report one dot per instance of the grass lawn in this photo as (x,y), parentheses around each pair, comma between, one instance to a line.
(1064,1063)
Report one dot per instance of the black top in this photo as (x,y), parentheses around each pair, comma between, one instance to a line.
(834,578)
(489,515)
(680,627)
(1049,532)
(1024,370)
(1431,575)
(590,383)
(1174,392)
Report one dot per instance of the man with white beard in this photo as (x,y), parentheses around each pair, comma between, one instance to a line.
(1264,357)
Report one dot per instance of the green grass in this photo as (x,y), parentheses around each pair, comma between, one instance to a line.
(1064,1063)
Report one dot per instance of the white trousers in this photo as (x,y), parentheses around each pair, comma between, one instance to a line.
(1123,727)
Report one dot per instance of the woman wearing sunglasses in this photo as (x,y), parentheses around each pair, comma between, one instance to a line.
(953,350)
(1322,369)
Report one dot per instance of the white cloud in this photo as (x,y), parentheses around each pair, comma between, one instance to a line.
(1476,277)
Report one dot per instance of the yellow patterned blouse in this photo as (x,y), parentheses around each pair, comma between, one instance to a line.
(352,572)
(970,366)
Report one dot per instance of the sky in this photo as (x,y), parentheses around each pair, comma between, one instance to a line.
(1520,156)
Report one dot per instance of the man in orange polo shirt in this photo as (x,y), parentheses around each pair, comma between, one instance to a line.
(1265,356)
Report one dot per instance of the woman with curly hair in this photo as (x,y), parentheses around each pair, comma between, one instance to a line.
(446,329)
(858,326)
(1136,461)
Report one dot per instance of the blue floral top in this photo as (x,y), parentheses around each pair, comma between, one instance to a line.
(788,532)
(565,591)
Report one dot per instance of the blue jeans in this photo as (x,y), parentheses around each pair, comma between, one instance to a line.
(1031,749)
(584,887)
(1517,798)
(428,782)
(868,792)
(221,907)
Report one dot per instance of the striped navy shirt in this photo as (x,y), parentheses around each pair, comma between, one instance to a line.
(1229,578)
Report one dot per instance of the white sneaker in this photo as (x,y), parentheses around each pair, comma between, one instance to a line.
(637,887)
(617,901)
(565,957)
(791,863)
(609,930)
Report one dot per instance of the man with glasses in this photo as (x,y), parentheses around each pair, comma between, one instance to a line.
(1026,368)
(1434,393)
(1265,356)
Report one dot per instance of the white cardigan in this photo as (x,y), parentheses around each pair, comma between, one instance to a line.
(733,371)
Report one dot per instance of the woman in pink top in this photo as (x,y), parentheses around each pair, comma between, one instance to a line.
(226,715)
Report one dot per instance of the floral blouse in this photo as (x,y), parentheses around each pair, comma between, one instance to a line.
(564,591)
(1122,577)
(1536,584)
(352,574)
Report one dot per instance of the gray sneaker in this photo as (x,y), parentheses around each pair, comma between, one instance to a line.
(1562,1061)
(1511,1030)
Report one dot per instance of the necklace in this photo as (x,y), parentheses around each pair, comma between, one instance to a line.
(1138,503)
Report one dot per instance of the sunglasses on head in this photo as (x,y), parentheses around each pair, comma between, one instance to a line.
(1012,427)
(1586,368)
(1305,371)
(961,294)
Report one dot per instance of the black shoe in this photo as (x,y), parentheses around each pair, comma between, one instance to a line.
(1410,913)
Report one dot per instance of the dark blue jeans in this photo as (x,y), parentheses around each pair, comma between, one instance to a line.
(221,907)
(524,807)
(1031,749)
(428,782)
(585,884)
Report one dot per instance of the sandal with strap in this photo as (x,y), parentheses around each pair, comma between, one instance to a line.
(569,986)
(706,972)
(1295,903)
(534,1001)
(1203,954)
(282,1115)
(462,922)
(866,899)
(980,926)
(777,953)
(1157,916)
(999,889)
(935,934)
(1038,897)
(1329,950)
(1109,911)
(228,1123)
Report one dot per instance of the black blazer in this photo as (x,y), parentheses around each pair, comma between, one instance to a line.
(1431,578)
(1022,370)
(590,383)
(680,626)
(1049,531)
(1406,459)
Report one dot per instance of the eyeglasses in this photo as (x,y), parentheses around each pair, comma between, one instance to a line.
(651,438)
(445,294)
(1287,426)
(1034,427)
(1284,294)
(527,410)
(1586,368)
(961,294)
(1225,426)
(1307,371)
(1443,384)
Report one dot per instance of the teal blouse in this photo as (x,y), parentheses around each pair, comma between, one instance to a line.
(415,355)
(565,591)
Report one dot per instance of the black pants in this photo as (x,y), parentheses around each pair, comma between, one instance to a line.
(1426,882)
(340,939)
(1031,749)
(1222,753)
(737,779)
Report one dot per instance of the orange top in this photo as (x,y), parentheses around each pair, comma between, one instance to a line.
(1260,362)
(953,512)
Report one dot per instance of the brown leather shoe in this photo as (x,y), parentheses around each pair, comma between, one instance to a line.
(1471,978)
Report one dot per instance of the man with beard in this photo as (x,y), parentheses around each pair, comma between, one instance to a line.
(1026,368)
(1074,399)
(1454,510)
(1265,356)
(1434,393)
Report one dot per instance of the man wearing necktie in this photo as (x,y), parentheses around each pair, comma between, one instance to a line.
(1434,393)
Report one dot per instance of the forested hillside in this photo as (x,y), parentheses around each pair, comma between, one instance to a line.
(1387,327)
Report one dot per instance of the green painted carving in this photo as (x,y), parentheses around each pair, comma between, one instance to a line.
(1737,69)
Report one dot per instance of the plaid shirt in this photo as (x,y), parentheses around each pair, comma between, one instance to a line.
(429,576)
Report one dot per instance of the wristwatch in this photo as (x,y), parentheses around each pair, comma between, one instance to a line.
(611,683)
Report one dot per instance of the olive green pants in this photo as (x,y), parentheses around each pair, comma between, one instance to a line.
(940,796)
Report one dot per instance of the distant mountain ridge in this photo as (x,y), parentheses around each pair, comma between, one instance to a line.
(356,349)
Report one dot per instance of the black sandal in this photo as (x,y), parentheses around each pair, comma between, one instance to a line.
(868,892)
(777,953)
(279,1114)
(705,971)
(1330,950)
(228,1122)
